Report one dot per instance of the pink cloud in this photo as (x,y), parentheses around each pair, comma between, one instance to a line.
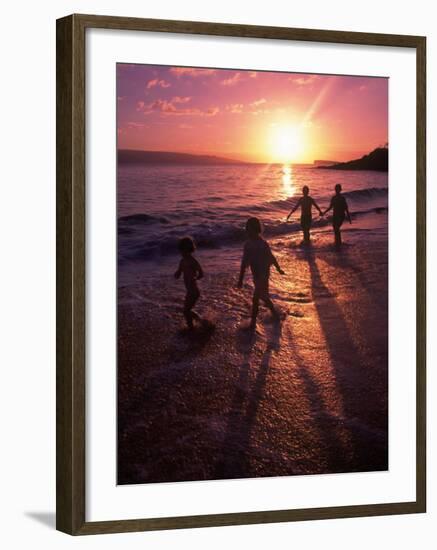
(211,111)
(253,107)
(235,108)
(157,82)
(303,80)
(239,77)
(179,99)
(257,112)
(258,102)
(231,81)
(191,71)
(171,107)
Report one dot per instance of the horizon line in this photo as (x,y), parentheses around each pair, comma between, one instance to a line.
(240,161)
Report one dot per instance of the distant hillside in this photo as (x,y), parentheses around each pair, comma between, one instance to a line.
(131,156)
(376,160)
(324,162)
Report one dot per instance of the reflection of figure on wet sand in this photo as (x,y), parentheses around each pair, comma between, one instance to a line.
(306,204)
(340,211)
(259,257)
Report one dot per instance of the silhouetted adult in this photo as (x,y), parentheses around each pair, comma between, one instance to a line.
(340,212)
(306,204)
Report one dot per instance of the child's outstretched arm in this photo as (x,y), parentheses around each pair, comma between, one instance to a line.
(241,277)
(275,263)
(243,267)
(317,207)
(328,209)
(199,270)
(178,272)
(293,210)
(348,214)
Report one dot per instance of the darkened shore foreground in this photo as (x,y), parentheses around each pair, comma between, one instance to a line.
(306,396)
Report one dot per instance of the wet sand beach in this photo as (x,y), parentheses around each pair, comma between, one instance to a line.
(308,395)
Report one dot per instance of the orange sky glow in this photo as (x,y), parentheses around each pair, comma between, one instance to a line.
(250,115)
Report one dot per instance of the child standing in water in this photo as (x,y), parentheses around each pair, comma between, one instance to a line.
(306,203)
(340,211)
(190,268)
(258,256)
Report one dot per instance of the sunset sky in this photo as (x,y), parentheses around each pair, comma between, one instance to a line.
(250,115)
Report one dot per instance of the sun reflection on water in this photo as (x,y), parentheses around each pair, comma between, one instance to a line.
(287,181)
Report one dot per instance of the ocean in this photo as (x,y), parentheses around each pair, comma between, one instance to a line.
(158,204)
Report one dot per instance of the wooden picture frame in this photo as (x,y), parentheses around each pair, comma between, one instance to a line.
(71,248)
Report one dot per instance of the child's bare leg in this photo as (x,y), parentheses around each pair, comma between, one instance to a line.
(255,308)
(188,317)
(270,305)
(195,315)
(189,314)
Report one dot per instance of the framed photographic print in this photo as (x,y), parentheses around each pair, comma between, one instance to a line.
(240,274)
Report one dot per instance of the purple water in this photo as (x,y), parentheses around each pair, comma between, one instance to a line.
(157,204)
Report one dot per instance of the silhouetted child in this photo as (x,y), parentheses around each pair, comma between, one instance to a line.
(190,268)
(340,211)
(258,256)
(306,204)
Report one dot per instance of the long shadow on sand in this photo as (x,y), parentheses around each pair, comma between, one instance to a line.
(334,452)
(235,456)
(342,260)
(365,416)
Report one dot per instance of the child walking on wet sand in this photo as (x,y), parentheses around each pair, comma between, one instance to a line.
(258,256)
(190,268)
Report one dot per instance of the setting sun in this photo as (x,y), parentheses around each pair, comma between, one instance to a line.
(286,143)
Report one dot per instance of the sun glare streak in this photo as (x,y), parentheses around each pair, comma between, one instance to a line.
(287,181)
(317,103)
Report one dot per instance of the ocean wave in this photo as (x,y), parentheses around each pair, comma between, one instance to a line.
(135,219)
(126,222)
(217,236)
(366,194)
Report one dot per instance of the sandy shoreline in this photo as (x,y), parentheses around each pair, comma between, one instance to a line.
(306,396)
